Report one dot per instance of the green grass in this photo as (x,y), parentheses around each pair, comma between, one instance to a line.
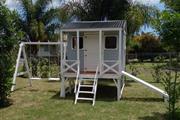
(42,102)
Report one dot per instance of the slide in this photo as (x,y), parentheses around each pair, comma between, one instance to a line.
(159,91)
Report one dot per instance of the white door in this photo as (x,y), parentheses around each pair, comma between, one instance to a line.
(91,52)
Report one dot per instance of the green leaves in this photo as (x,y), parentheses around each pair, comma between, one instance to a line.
(36,17)
(10,34)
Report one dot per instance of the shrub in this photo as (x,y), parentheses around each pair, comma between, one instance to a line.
(157,69)
(172,87)
(9,36)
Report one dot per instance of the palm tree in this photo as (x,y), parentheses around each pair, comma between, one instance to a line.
(38,19)
(139,15)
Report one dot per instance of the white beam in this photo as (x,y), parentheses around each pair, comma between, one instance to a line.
(120,51)
(100,51)
(62,93)
(43,43)
(91,29)
(77,46)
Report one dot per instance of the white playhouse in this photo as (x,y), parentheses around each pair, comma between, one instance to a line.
(91,50)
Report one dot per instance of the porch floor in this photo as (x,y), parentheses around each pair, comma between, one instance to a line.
(90,74)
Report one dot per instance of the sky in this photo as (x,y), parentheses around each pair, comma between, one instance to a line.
(13,4)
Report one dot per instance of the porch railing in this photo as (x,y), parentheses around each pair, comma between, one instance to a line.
(110,67)
(70,66)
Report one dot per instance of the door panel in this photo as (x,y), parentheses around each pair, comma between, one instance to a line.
(91,52)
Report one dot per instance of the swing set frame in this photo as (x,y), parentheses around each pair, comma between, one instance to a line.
(22,52)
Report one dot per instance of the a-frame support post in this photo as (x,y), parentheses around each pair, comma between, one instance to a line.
(16,68)
(62,93)
(26,65)
(21,50)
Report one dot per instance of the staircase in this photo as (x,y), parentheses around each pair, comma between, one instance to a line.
(86,86)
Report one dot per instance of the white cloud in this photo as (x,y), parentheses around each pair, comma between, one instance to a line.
(148,2)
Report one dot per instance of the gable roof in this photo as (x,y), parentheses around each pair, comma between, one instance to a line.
(95,25)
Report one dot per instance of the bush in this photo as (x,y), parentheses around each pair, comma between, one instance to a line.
(172,87)
(157,69)
(9,36)
(43,68)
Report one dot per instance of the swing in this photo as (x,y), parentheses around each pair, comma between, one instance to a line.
(29,68)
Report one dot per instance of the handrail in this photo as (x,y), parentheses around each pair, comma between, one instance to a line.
(96,75)
(161,92)
(77,77)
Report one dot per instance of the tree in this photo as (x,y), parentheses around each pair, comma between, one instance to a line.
(100,9)
(38,20)
(9,36)
(172,4)
(147,43)
(135,14)
(168,25)
(139,15)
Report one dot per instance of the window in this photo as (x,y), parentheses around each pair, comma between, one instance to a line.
(110,42)
(74,42)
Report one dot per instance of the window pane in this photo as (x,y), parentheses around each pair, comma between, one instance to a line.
(110,42)
(74,43)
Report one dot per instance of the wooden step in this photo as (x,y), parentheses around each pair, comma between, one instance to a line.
(87,92)
(86,86)
(82,98)
(86,79)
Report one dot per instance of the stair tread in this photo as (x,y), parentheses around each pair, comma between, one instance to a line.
(87,79)
(86,86)
(83,98)
(88,92)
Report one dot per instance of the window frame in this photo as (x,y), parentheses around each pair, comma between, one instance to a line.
(116,42)
(72,42)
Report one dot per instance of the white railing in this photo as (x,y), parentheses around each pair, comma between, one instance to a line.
(95,84)
(69,66)
(111,67)
(77,78)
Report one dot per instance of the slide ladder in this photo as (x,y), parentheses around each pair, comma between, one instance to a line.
(86,86)
(151,87)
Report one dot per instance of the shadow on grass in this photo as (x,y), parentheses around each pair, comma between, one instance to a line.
(143,99)
(155,116)
(161,116)
(104,93)
(6,103)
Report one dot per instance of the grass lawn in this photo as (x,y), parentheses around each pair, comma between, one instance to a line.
(42,102)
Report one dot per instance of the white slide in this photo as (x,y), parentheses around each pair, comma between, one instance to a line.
(159,91)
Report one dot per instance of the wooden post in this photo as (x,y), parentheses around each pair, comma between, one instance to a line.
(77,47)
(62,93)
(100,51)
(120,51)
(120,64)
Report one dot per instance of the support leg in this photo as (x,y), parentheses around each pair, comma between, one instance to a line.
(62,92)
(17,65)
(27,66)
(118,88)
